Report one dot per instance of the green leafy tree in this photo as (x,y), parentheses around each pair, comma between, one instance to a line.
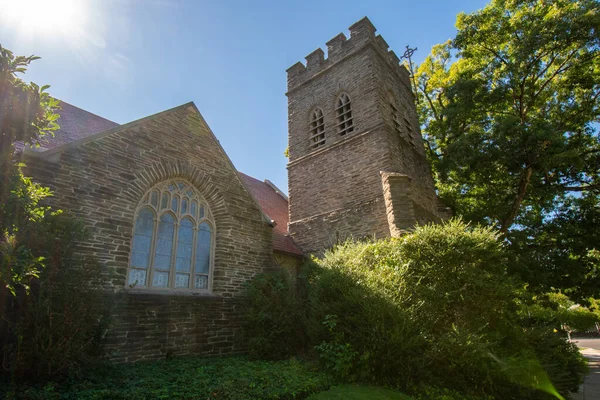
(27,112)
(509,110)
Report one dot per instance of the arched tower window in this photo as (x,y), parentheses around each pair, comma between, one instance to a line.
(343,110)
(173,239)
(317,128)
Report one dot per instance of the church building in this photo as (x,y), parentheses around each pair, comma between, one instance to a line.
(181,231)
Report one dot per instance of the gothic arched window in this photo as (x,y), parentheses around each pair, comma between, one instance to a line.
(172,244)
(317,128)
(343,110)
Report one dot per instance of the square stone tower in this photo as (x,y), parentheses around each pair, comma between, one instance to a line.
(357,165)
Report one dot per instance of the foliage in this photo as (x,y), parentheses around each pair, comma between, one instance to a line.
(54,311)
(556,311)
(561,252)
(353,325)
(19,215)
(58,326)
(186,378)
(357,392)
(272,320)
(509,109)
(27,111)
(336,354)
(437,307)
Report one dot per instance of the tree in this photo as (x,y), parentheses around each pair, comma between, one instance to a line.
(509,110)
(27,112)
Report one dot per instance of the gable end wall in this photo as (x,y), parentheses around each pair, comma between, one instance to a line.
(102,182)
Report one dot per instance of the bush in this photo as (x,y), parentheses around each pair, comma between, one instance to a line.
(272,320)
(435,307)
(57,326)
(54,309)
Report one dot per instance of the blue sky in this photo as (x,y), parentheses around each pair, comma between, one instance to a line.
(126,59)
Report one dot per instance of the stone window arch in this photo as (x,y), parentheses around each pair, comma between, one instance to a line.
(343,111)
(317,128)
(172,246)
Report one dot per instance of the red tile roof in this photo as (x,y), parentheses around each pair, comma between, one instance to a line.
(275,205)
(75,123)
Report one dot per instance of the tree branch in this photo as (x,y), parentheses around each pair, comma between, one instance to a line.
(508,220)
(577,188)
(433,109)
(495,53)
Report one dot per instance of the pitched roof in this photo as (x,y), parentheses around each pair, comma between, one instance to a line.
(75,123)
(275,205)
(78,125)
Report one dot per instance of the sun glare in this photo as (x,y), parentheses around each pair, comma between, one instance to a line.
(47,17)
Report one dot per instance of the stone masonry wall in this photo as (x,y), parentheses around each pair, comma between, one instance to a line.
(154,326)
(406,145)
(102,181)
(335,190)
(337,195)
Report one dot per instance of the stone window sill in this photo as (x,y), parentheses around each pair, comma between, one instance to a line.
(183,293)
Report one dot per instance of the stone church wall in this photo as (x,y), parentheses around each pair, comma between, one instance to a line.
(102,181)
(335,189)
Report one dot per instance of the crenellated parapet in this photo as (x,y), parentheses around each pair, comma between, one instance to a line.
(362,34)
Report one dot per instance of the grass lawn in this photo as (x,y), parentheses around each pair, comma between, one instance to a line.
(357,392)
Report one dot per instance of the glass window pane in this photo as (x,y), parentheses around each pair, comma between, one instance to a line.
(181,185)
(184,206)
(142,238)
(182,280)
(154,198)
(203,247)
(194,208)
(201,282)
(160,279)
(165,201)
(185,241)
(174,203)
(164,243)
(201,211)
(137,278)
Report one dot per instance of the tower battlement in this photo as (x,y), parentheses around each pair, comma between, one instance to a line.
(362,34)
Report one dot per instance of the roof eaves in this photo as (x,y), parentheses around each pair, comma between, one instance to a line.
(276,189)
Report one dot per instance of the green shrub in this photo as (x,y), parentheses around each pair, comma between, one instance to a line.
(272,320)
(57,325)
(435,307)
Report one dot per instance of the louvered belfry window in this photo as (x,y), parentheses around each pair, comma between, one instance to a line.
(343,111)
(172,244)
(395,113)
(317,128)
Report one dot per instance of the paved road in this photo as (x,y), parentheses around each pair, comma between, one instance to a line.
(588,343)
(590,389)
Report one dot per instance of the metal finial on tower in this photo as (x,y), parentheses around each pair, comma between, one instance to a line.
(408,53)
